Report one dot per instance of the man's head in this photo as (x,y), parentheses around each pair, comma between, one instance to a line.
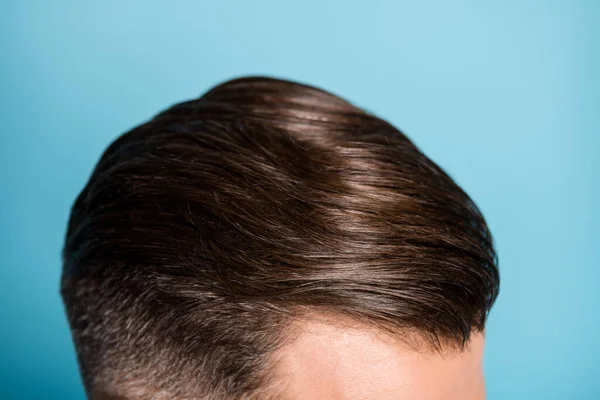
(270,240)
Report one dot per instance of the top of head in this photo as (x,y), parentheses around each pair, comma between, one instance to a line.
(203,233)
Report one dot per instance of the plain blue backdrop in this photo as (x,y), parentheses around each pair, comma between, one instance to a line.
(503,95)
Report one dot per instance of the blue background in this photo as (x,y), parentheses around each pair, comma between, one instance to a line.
(503,95)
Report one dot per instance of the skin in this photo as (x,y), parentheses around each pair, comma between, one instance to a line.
(331,358)
(329,361)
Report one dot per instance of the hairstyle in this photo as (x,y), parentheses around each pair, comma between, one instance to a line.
(205,232)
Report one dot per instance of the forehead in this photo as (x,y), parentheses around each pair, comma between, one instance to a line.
(332,362)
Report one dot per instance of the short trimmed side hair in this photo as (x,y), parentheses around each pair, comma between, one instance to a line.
(204,232)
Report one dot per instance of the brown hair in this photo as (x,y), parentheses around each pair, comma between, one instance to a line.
(205,231)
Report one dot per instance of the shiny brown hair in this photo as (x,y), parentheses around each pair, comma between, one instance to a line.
(204,232)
